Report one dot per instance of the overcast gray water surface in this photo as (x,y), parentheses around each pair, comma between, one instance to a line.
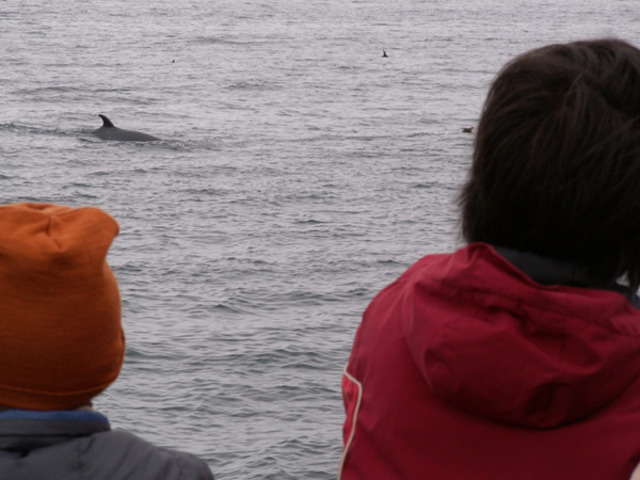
(299,172)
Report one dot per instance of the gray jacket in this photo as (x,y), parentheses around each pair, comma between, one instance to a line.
(79,445)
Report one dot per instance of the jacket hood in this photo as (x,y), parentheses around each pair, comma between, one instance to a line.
(491,341)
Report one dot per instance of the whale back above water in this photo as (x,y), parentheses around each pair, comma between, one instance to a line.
(108,131)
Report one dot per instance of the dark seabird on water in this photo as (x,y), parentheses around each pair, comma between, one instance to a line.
(467,129)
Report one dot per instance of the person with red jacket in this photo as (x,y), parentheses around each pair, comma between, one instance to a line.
(518,355)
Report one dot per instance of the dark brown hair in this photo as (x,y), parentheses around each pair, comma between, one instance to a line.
(556,164)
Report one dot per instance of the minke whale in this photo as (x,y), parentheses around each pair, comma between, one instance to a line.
(108,131)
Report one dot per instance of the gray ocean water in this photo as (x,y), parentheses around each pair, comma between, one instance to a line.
(299,172)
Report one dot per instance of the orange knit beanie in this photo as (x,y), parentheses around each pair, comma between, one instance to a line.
(61,338)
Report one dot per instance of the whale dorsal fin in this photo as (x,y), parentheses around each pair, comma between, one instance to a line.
(105,121)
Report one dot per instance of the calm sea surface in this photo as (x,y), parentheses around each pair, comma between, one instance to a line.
(298,174)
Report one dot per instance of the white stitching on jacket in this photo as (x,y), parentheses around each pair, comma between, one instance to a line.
(355,418)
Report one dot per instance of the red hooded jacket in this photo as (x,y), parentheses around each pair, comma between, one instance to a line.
(467,368)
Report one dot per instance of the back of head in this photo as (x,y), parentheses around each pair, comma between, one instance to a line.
(62,341)
(556,167)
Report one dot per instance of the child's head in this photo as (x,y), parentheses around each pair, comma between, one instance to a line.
(61,339)
(556,166)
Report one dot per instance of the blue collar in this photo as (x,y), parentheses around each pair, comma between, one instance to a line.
(59,415)
(24,430)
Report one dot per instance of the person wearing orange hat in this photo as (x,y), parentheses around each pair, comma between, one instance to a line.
(61,344)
